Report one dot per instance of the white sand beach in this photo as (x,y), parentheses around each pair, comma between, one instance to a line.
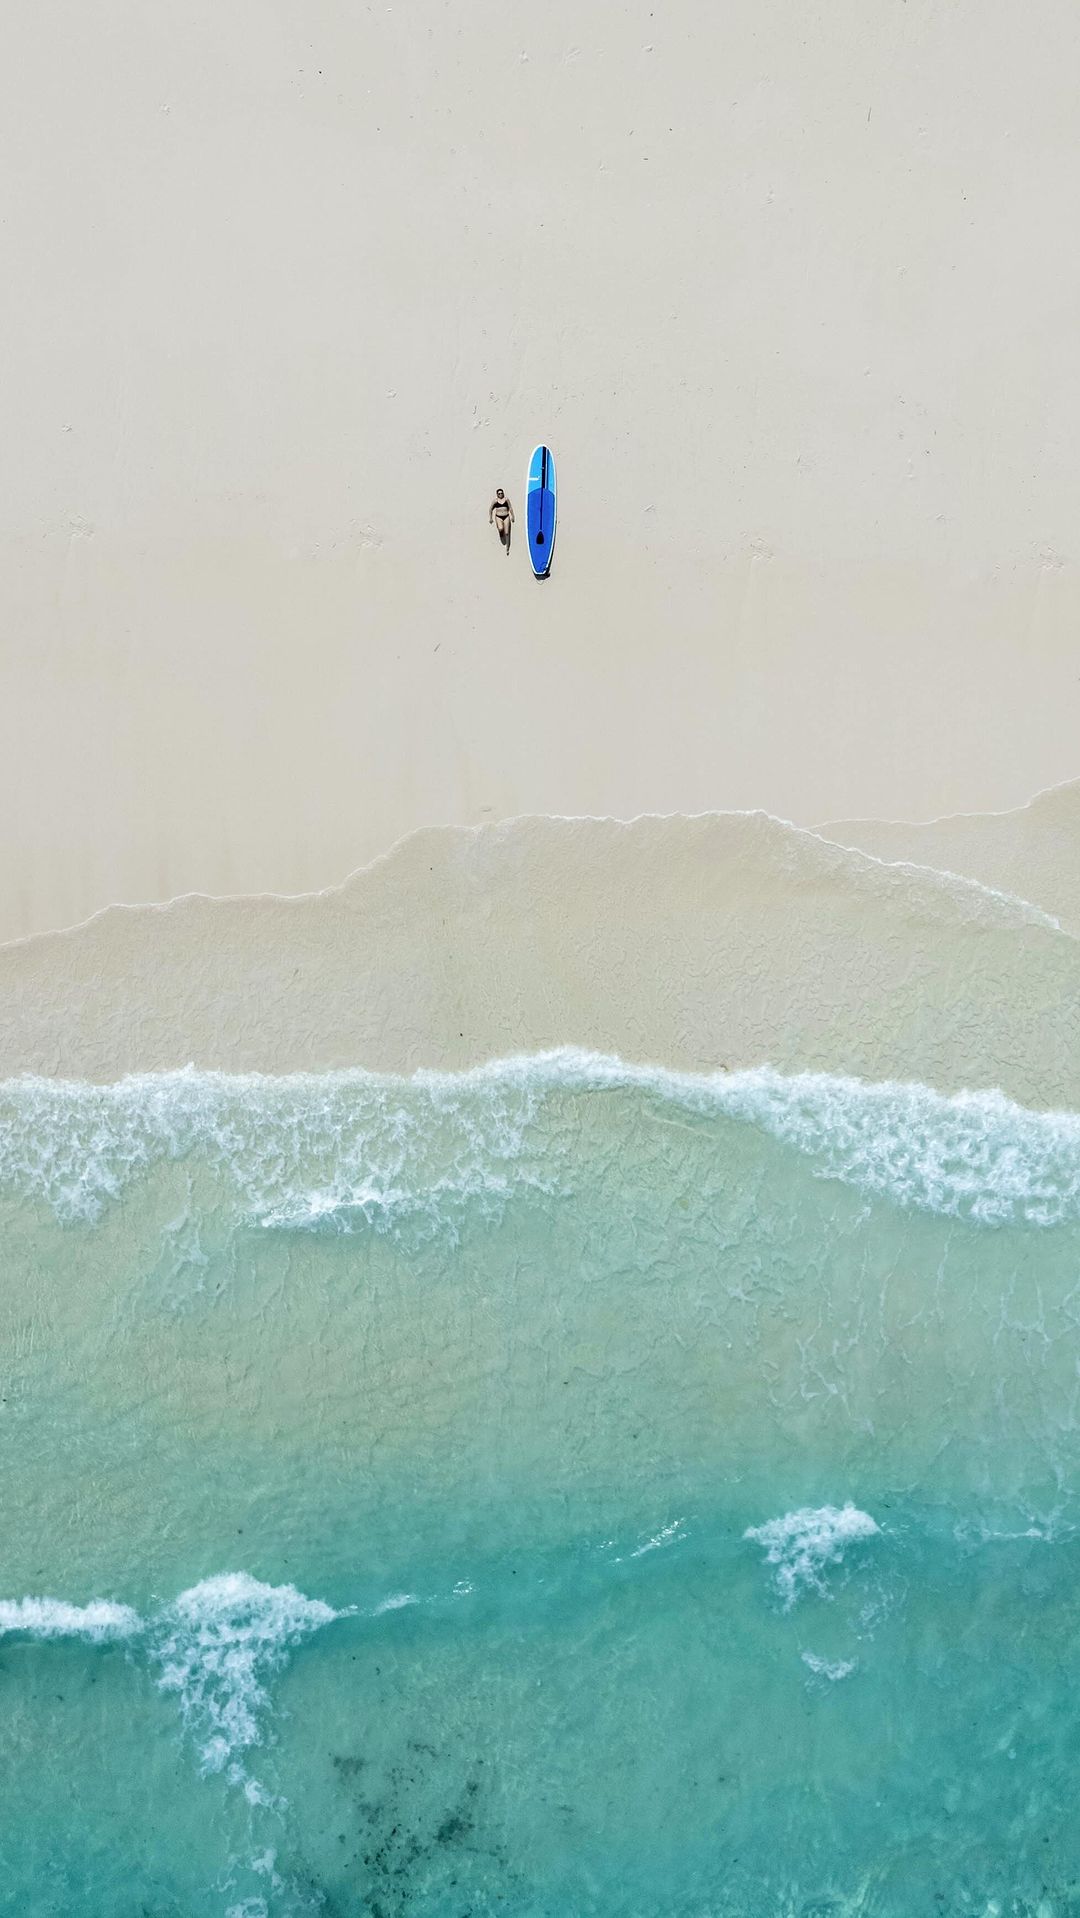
(289,290)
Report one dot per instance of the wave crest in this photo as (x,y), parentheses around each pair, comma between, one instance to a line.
(358,1151)
(100,1622)
(801,1545)
(219,1643)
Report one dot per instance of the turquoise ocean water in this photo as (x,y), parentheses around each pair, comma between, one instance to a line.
(558,1489)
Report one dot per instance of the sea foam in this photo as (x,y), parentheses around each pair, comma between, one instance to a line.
(359,1151)
(801,1545)
(99,1622)
(214,1648)
(832,1669)
(217,1646)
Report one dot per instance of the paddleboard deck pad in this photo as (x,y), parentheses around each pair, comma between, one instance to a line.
(540,510)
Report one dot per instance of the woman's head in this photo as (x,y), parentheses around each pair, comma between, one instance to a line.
(499,493)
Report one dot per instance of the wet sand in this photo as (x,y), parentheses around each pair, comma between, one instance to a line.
(1034,851)
(723,940)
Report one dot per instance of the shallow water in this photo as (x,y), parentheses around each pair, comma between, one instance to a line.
(561,1488)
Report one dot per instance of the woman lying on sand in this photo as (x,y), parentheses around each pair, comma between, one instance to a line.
(503,514)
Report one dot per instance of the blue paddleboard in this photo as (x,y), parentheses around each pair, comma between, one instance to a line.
(540,510)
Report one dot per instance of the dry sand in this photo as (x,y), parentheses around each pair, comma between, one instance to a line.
(288,290)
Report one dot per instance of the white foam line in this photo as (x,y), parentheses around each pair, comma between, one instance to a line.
(490,828)
(953,818)
(100,1621)
(975,1155)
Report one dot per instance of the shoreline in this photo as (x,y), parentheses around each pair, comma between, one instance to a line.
(887,842)
(688,942)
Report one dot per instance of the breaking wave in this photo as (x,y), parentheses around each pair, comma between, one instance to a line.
(218,1645)
(801,1546)
(353,1150)
(214,1649)
(101,1622)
